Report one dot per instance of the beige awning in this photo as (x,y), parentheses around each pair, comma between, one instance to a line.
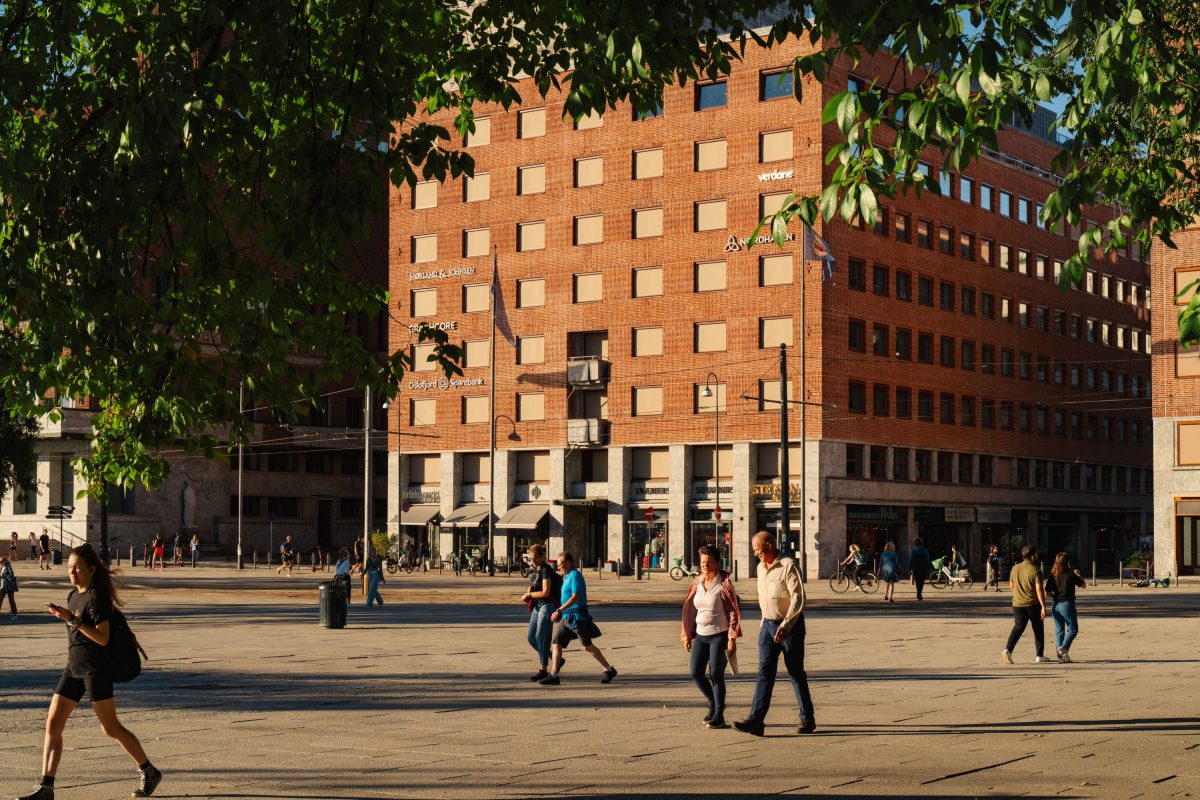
(421,514)
(525,517)
(467,516)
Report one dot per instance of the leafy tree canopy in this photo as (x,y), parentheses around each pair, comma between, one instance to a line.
(189,188)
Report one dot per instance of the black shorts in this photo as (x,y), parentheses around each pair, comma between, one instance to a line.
(563,635)
(98,686)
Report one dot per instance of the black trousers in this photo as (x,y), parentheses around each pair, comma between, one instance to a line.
(1027,615)
(919,576)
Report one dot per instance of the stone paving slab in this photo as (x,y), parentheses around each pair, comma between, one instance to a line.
(247,697)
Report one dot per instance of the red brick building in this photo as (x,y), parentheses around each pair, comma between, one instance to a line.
(1176,410)
(956,393)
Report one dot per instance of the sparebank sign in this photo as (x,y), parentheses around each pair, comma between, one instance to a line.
(441,384)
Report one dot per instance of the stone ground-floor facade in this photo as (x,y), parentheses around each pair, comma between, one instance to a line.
(659,514)
(1177,496)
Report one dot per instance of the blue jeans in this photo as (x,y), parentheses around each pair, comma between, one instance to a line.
(1066,624)
(539,632)
(792,649)
(708,654)
(373,578)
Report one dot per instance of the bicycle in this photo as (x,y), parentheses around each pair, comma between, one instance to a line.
(394,565)
(465,561)
(941,577)
(842,580)
(679,572)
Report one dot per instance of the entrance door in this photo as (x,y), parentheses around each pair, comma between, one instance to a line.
(325,525)
(1187,545)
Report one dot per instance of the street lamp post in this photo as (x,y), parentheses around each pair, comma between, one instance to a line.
(712,389)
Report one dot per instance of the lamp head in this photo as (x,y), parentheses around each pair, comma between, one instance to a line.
(706,391)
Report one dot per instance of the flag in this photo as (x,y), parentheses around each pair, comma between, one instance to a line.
(815,249)
(499,314)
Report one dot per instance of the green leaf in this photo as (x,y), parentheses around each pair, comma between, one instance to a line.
(867,205)
(1041,87)
(847,112)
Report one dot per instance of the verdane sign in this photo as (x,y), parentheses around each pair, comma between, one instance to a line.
(442,384)
(777,175)
(441,274)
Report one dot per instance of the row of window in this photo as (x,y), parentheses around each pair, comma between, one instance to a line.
(588,229)
(645,401)
(317,462)
(292,507)
(1004,256)
(644,164)
(966,300)
(969,356)
(877,462)
(588,287)
(951,409)
(773,84)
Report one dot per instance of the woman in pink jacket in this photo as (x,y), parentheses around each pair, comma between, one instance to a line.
(711,624)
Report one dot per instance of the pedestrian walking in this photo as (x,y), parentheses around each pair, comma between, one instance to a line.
(13,555)
(919,564)
(177,549)
(781,600)
(44,560)
(994,565)
(1064,580)
(88,612)
(889,571)
(358,549)
(34,550)
(195,549)
(1028,604)
(856,561)
(573,620)
(712,622)
(8,586)
(341,571)
(423,555)
(374,572)
(156,549)
(541,598)
(287,556)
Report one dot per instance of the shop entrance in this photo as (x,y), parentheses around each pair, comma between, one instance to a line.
(648,544)
(1187,544)
(708,532)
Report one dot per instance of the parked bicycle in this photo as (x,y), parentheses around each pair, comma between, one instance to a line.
(404,563)
(842,580)
(942,576)
(527,567)
(679,571)
(466,561)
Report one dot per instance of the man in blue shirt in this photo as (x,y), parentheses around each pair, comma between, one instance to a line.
(572,620)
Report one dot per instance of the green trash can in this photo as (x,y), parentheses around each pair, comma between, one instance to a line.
(333,604)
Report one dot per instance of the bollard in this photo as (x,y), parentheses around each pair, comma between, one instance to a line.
(132,556)
(253,559)
(637,569)
(1120,573)
(117,550)
(735,570)
(599,569)
(1093,574)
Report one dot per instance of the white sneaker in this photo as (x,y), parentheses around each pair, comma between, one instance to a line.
(1007,657)
(1042,660)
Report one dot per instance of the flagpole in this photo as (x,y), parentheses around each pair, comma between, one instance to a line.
(492,427)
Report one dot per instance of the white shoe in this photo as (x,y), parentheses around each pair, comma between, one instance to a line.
(1007,655)
(1042,660)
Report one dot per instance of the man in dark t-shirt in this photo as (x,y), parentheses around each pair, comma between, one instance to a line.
(44,562)
(287,557)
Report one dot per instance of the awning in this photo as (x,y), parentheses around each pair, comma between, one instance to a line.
(467,516)
(421,514)
(525,517)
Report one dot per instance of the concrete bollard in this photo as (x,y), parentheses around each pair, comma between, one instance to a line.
(1093,573)
(132,556)
(599,569)
(735,570)
(253,559)
(637,569)
(1120,573)
(117,550)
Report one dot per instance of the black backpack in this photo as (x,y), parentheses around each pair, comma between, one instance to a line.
(123,649)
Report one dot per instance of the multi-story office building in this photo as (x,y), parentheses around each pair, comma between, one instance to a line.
(956,393)
(1176,410)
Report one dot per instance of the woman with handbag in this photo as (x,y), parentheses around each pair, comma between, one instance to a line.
(541,598)
(711,625)
(8,585)
(89,670)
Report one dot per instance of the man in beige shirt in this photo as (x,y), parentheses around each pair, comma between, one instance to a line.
(781,600)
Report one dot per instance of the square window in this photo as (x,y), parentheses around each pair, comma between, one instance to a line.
(531,236)
(647,342)
(711,95)
(424,248)
(647,163)
(482,133)
(589,229)
(774,331)
(775,85)
(477,242)
(648,113)
(775,145)
(775,270)
(588,172)
(709,337)
(709,276)
(532,179)
(476,297)
(589,121)
(713,154)
(424,302)
(531,407)
(531,349)
(531,123)
(425,195)
(647,223)
(589,287)
(770,203)
(477,188)
(647,281)
(531,293)
(647,401)
(709,215)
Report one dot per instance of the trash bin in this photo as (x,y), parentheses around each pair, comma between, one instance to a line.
(333,604)
(56,558)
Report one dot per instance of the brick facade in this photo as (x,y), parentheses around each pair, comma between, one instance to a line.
(841,505)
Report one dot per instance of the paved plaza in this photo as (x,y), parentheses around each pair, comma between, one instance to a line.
(247,697)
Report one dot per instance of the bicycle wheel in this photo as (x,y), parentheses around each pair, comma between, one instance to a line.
(406,566)
(938,580)
(839,583)
(391,568)
(870,584)
(677,573)
(966,581)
